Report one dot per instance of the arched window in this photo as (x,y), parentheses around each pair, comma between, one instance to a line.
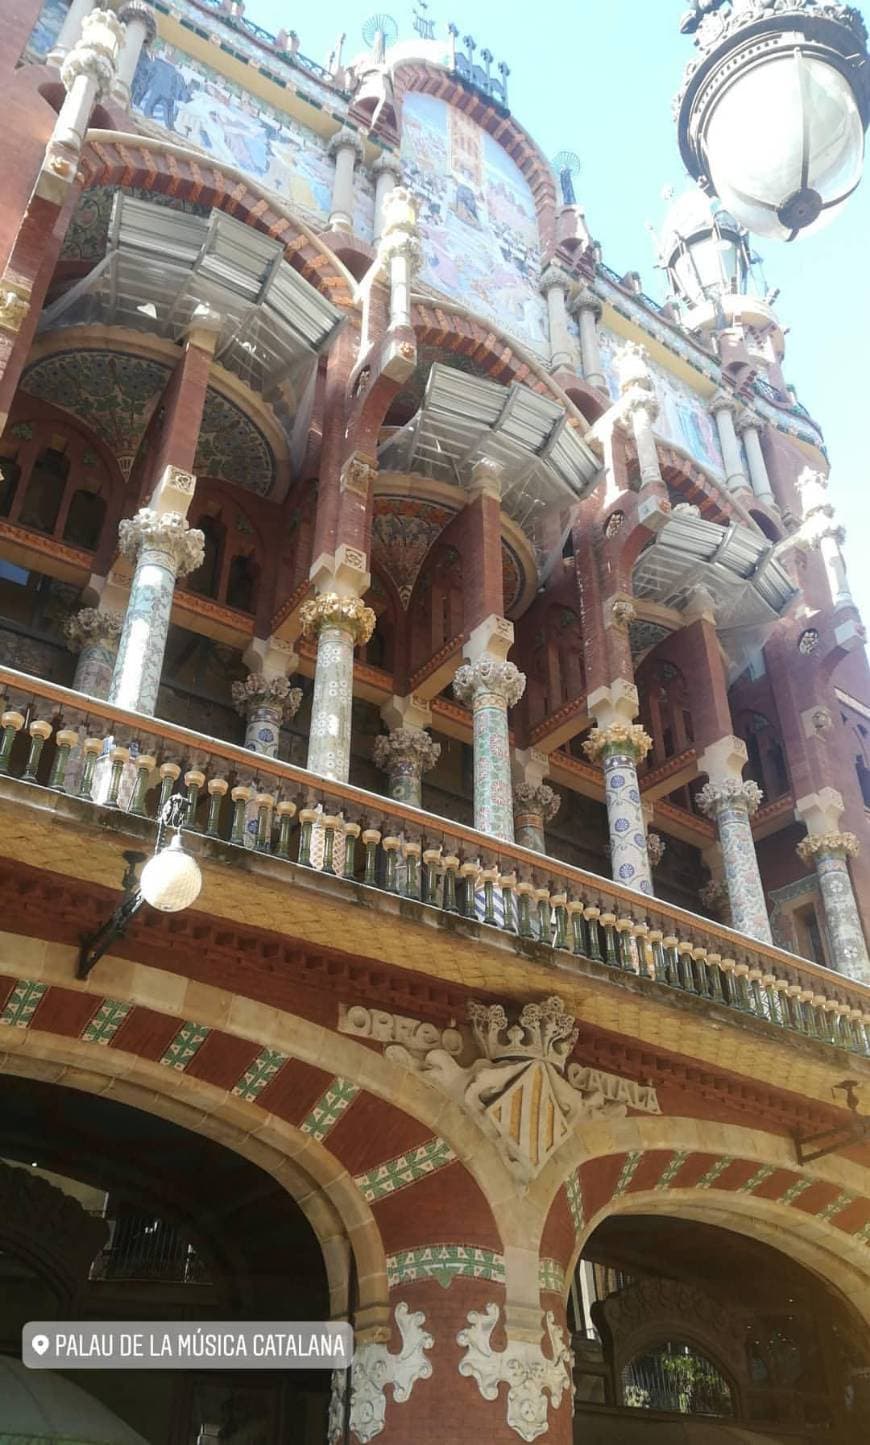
(665,709)
(242,584)
(45,489)
(84,522)
(206,578)
(675,1377)
(766,756)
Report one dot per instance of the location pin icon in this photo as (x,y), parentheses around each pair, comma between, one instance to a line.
(40,1344)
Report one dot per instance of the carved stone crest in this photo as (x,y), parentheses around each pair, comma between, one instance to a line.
(373,1369)
(529,1374)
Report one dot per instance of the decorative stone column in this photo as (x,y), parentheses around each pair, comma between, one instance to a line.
(724,408)
(164,548)
(88,73)
(141,28)
(346,148)
(555,285)
(640,407)
(535,805)
(619,745)
(94,635)
(405,755)
(70,31)
(339,625)
(731,802)
(828,849)
(266,703)
(400,250)
(387,171)
(819,530)
(748,426)
(588,310)
(489,686)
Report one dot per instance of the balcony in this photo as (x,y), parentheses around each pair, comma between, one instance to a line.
(93,764)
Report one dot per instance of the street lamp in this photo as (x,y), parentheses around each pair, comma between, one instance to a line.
(773,110)
(170,881)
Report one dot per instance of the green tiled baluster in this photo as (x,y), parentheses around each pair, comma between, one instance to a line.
(118,756)
(391,848)
(560,913)
(611,956)
(145,765)
(489,881)
(194,781)
(449,903)
(39,731)
(330,823)
(286,811)
(217,791)
(241,797)
(545,926)
(12,722)
(371,838)
(578,932)
(65,741)
(351,833)
(411,853)
(306,820)
(169,775)
(660,967)
(507,883)
(265,804)
(524,916)
(594,931)
(431,863)
(92,747)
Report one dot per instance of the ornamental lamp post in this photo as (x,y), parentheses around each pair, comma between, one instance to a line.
(773,109)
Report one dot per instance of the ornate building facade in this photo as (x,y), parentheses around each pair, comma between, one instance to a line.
(491,624)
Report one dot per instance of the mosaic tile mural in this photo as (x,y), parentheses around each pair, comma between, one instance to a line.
(47,27)
(206,110)
(477,218)
(88,233)
(683,419)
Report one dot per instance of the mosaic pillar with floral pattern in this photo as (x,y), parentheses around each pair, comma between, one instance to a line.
(731,802)
(94,635)
(829,854)
(619,748)
(164,548)
(489,687)
(405,755)
(339,624)
(535,805)
(265,703)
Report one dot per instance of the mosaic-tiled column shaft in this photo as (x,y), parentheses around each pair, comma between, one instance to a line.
(265,703)
(164,548)
(405,755)
(94,635)
(731,803)
(828,853)
(489,687)
(619,748)
(339,624)
(535,805)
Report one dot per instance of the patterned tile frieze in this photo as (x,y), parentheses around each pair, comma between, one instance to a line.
(21,1003)
(677,1161)
(574,1193)
(763,1172)
(795,1190)
(105,1023)
(551,1276)
(395,1174)
(714,1172)
(444,1263)
(329,1108)
(185,1045)
(627,1172)
(837,1206)
(258,1074)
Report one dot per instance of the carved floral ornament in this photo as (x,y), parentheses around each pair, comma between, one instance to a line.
(14,304)
(622,737)
(164,532)
(515,1079)
(258,691)
(489,678)
(817,845)
(539,800)
(529,1374)
(374,1368)
(406,747)
(92,627)
(95,55)
(349,614)
(713,798)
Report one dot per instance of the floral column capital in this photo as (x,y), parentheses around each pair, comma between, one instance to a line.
(349,614)
(90,627)
(619,737)
(730,793)
(166,532)
(539,799)
(95,54)
(406,746)
(258,691)
(843,845)
(137,10)
(488,676)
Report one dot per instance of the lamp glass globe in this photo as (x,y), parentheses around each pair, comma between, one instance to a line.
(785,145)
(171,880)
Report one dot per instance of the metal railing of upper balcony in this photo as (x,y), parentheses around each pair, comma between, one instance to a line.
(110,759)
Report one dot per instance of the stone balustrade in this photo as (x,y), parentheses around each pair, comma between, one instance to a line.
(54,738)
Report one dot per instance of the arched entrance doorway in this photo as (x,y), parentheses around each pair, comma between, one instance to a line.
(686,1331)
(112,1213)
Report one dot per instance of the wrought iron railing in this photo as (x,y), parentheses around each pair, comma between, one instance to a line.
(112,759)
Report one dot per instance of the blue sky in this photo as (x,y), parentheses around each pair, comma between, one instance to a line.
(597,77)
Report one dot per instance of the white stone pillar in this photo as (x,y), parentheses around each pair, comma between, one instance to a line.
(140,29)
(619,745)
(164,548)
(724,408)
(588,309)
(640,407)
(94,635)
(819,529)
(346,148)
(387,171)
(730,802)
(400,251)
(748,427)
(828,850)
(555,285)
(88,73)
(70,31)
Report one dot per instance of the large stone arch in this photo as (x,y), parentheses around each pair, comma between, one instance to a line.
(739,1162)
(121,159)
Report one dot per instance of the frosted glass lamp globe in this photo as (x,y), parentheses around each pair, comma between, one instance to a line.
(171,880)
(785,145)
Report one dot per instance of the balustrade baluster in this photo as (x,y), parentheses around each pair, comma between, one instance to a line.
(265,803)
(525,893)
(411,851)
(351,834)
(65,740)
(432,865)
(559,902)
(578,928)
(145,765)
(371,838)
(286,811)
(11,722)
(507,883)
(217,791)
(592,916)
